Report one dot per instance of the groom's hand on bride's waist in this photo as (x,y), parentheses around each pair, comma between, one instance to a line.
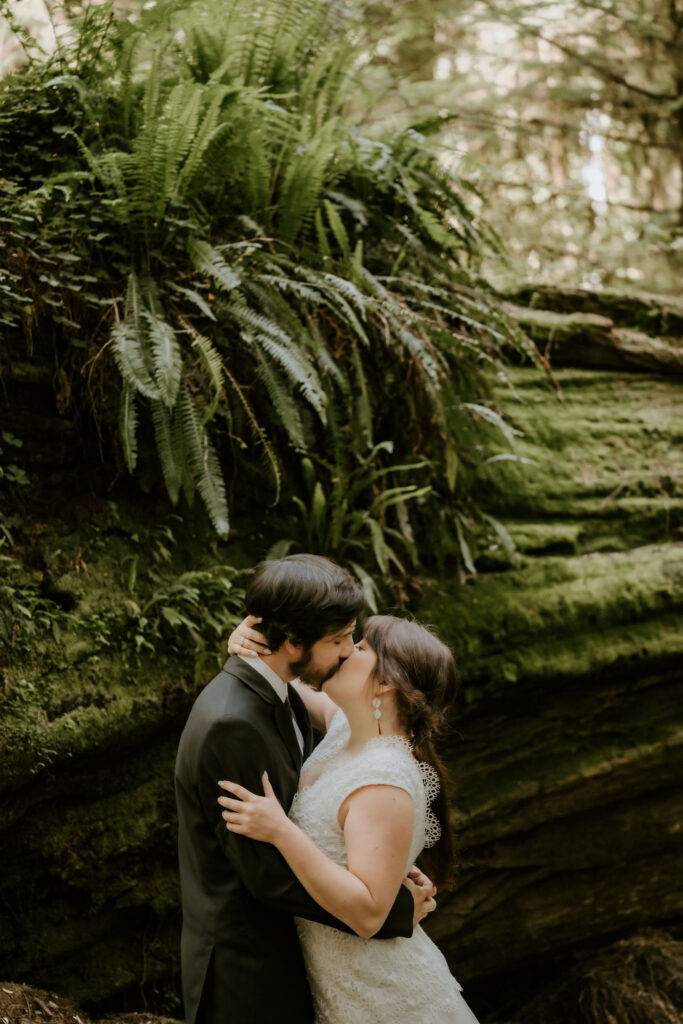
(423,892)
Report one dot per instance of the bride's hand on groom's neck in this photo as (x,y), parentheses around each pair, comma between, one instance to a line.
(246,640)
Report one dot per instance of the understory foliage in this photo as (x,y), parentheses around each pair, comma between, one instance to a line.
(140,604)
(199,234)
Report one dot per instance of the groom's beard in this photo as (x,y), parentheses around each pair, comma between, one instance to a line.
(313,674)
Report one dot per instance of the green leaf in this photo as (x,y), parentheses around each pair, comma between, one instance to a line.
(213,366)
(280,549)
(199,301)
(166,357)
(129,340)
(504,537)
(338,229)
(491,416)
(318,514)
(370,589)
(170,456)
(128,422)
(464,548)
(203,463)
(451,457)
(209,261)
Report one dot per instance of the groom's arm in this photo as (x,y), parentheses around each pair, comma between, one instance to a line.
(234,750)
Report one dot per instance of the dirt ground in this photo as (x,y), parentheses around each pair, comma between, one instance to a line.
(21,1004)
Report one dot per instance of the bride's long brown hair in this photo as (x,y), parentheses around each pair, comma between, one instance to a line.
(422,670)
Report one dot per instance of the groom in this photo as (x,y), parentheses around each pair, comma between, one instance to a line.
(241,961)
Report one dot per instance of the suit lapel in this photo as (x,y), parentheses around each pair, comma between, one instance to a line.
(235,666)
(281,713)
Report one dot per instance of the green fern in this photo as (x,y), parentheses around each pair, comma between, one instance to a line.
(170,453)
(203,463)
(128,425)
(291,285)
(166,357)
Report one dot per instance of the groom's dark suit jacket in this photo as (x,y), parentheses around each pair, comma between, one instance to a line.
(241,961)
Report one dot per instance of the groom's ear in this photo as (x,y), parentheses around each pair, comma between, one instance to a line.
(291,648)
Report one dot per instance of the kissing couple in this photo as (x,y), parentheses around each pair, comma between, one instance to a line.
(300,898)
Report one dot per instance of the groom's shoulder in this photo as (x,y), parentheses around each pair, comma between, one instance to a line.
(229,693)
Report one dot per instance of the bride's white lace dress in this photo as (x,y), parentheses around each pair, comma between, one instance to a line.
(371,981)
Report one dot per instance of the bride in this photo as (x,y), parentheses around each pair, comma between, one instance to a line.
(371,799)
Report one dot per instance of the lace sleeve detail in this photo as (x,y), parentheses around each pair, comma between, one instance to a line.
(381,764)
(430,781)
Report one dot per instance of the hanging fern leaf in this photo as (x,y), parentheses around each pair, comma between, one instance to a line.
(170,454)
(168,363)
(203,463)
(213,367)
(338,229)
(283,403)
(282,350)
(128,425)
(129,340)
(208,261)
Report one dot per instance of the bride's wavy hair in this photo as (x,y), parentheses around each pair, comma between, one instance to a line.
(421,668)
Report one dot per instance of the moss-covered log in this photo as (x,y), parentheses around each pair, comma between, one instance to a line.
(566,793)
(657,315)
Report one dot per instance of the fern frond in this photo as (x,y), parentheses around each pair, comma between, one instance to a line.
(283,403)
(128,424)
(128,342)
(304,179)
(338,229)
(259,432)
(363,405)
(213,366)
(202,138)
(208,260)
(166,357)
(284,351)
(170,456)
(494,418)
(203,463)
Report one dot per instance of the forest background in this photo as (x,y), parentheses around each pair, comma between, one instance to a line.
(265,286)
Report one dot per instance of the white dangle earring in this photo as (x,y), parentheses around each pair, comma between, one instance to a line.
(377,705)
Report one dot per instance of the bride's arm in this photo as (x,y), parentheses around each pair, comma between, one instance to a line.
(378,825)
(248,642)
(320,707)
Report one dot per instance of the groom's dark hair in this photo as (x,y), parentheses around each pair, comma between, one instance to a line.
(302,598)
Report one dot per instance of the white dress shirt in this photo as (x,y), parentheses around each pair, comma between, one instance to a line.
(280,687)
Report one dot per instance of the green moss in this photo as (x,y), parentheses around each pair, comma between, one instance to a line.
(656,314)
(607,450)
(562,617)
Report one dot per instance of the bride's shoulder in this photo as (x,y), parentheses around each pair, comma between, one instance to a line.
(390,759)
(391,748)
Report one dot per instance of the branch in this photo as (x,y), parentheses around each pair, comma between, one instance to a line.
(527,126)
(594,65)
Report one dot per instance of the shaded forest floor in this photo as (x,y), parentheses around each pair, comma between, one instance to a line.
(23,1004)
